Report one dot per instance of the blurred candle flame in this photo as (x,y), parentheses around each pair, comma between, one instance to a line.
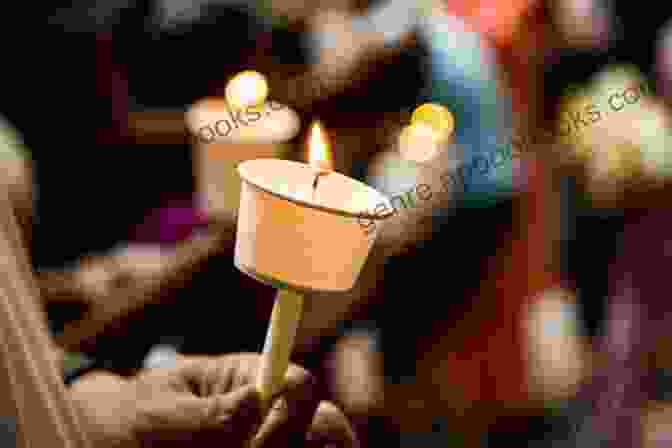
(247,89)
(418,142)
(437,117)
(319,149)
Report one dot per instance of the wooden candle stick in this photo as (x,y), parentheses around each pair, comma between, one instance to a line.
(285,319)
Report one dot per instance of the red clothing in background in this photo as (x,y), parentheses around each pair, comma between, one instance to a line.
(485,360)
(519,274)
(497,19)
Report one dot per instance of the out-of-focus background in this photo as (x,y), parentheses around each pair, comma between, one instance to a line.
(527,305)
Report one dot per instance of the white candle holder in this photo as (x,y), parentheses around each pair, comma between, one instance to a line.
(290,240)
(300,239)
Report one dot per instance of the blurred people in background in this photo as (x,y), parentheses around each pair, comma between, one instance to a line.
(92,183)
(448,331)
(458,347)
(206,400)
(618,186)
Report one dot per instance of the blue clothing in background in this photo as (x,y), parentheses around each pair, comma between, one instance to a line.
(462,77)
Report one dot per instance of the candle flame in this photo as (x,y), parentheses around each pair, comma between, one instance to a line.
(247,89)
(319,151)
(437,117)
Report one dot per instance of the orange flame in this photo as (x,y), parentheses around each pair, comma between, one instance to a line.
(319,149)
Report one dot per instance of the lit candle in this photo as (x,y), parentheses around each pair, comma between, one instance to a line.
(437,117)
(244,116)
(227,131)
(431,128)
(296,243)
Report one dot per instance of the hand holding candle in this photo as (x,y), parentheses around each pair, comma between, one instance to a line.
(288,306)
(300,235)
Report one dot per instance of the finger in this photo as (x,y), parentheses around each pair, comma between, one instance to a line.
(236,371)
(98,382)
(220,375)
(330,428)
(292,413)
(232,417)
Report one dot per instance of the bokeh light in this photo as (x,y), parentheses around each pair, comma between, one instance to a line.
(556,351)
(246,89)
(419,143)
(631,136)
(439,118)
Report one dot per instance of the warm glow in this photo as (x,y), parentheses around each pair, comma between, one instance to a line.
(419,142)
(319,151)
(247,89)
(436,116)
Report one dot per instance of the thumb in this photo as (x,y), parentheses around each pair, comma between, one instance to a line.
(232,417)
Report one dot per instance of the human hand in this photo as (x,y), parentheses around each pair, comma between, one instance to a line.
(100,290)
(207,401)
(100,279)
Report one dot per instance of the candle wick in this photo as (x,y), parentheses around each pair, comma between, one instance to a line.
(316,181)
